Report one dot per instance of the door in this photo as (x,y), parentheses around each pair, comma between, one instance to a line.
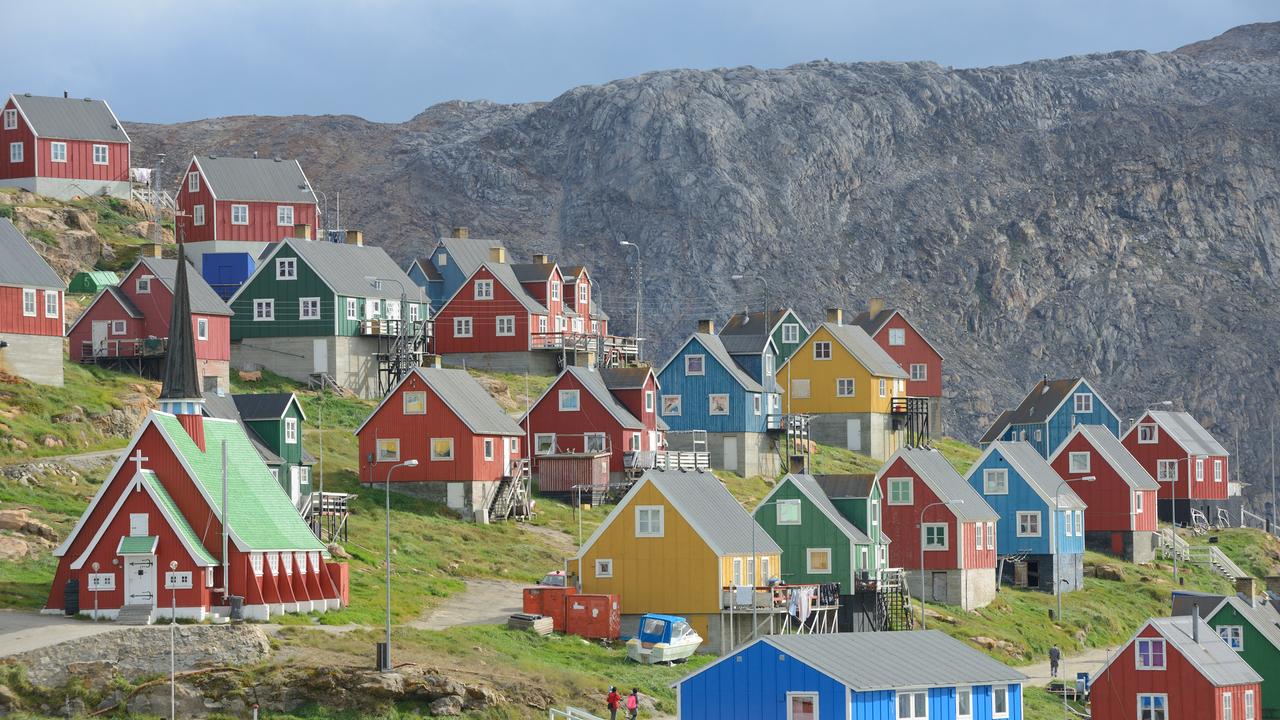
(939,589)
(731,454)
(140,580)
(320,355)
(853,434)
(506,457)
(454,495)
(99,336)
(295,484)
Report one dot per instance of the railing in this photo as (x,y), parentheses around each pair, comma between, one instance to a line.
(1170,543)
(123,348)
(1212,557)
(392,326)
(571,713)
(157,198)
(583,342)
(681,460)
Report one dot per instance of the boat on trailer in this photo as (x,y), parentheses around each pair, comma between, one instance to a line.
(663,639)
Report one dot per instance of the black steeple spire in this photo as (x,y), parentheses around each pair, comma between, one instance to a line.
(181,379)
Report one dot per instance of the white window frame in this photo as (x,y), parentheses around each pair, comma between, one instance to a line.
(264,309)
(1228,710)
(977,536)
(672,405)
(291,430)
(51,310)
(555,290)
(802,695)
(696,359)
(1029,515)
(142,285)
(790,504)
(505,326)
(1148,434)
(462,327)
(1137,502)
(968,692)
(304,303)
(29,305)
(441,457)
(932,547)
(995,481)
(17,152)
(790,333)
(197,215)
(414,309)
(650,512)
(755,403)
(846,387)
(1167,470)
(649,400)
(11,119)
(822,350)
(635,442)
(1079,462)
(922,374)
(1079,523)
(57,152)
(991,535)
(897,337)
(808,561)
(193,182)
(595,442)
(711,404)
(483,290)
(119,327)
(914,710)
(891,483)
(353,309)
(413,402)
(1199,469)
(538,443)
(239,214)
(1069,526)
(1232,635)
(1217,470)
(383,453)
(884,387)
(604,567)
(569,400)
(106,154)
(995,689)
(1250,706)
(202,328)
(1151,643)
(1082,403)
(287,268)
(284,216)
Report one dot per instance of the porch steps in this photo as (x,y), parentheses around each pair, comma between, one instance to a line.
(134,615)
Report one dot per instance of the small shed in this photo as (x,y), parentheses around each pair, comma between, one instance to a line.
(563,473)
(92,281)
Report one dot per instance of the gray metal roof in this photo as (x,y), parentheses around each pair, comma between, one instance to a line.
(345,269)
(71,118)
(428,270)
(846,486)
(533,272)
(865,350)
(812,490)
(23,266)
(712,511)
(469,401)
(1188,433)
(716,349)
(875,323)
(936,472)
(1118,457)
(626,378)
(872,661)
(468,254)
(745,344)
(256,179)
(507,277)
(1038,474)
(1043,399)
(1215,660)
(203,299)
(595,384)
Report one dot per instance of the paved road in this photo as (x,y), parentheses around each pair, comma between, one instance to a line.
(1090,661)
(484,602)
(23,630)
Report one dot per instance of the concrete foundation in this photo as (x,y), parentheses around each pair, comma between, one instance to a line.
(350,361)
(214,375)
(871,434)
(1039,573)
(935,418)
(966,589)
(469,499)
(751,454)
(37,358)
(64,189)
(1136,547)
(541,362)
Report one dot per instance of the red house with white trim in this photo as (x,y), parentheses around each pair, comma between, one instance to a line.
(63,147)
(31,311)
(608,410)
(1120,516)
(465,446)
(913,352)
(1184,459)
(1176,669)
(127,325)
(959,530)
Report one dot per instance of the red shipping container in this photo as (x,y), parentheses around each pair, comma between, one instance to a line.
(597,617)
(553,604)
(533,600)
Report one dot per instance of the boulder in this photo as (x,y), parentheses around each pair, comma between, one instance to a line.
(12,548)
(154,700)
(448,706)
(379,684)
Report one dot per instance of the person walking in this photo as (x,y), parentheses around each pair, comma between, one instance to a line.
(633,704)
(1055,655)
(612,702)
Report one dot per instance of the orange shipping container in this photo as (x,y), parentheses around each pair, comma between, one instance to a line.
(533,600)
(598,617)
(553,604)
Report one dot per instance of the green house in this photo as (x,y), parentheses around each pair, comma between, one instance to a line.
(819,545)
(92,281)
(857,497)
(273,422)
(783,325)
(1254,633)
(322,308)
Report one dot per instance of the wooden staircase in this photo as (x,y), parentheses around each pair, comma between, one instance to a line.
(1212,557)
(511,498)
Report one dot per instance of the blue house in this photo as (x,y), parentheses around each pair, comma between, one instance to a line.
(1040,536)
(924,675)
(706,390)
(1050,412)
(451,263)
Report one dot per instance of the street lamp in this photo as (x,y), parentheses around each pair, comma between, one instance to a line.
(95,566)
(764,283)
(639,286)
(920,525)
(1057,547)
(173,619)
(384,654)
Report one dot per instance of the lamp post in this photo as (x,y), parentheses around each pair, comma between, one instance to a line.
(764,284)
(1057,546)
(384,657)
(95,591)
(639,285)
(922,543)
(173,619)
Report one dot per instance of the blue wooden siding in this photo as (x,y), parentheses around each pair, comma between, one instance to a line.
(755,687)
(696,389)
(452,278)
(1054,431)
(1022,498)
(433,288)
(754,366)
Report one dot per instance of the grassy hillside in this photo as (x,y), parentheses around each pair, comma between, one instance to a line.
(1256,552)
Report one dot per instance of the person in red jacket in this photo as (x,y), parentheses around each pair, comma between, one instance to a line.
(612,702)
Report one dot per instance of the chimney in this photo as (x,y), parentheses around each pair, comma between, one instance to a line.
(180,391)
(797,465)
(835,315)
(302,231)
(152,250)
(874,306)
(1247,587)
(497,254)
(461,232)
(707,327)
(542,259)
(435,361)
(1195,623)
(355,237)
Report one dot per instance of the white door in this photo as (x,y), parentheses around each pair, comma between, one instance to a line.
(731,453)
(320,355)
(506,457)
(140,580)
(454,495)
(99,337)
(295,484)
(853,430)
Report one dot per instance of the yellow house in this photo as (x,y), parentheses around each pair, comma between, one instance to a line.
(848,385)
(673,544)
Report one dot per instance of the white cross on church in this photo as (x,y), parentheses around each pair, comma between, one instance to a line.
(138,458)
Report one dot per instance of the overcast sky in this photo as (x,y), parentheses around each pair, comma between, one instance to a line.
(387,60)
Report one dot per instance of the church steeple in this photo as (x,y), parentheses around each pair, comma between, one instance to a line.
(180,393)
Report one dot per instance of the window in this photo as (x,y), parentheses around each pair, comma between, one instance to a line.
(802,706)
(484,289)
(935,536)
(193,182)
(1150,654)
(100,154)
(818,561)
(1217,464)
(58,152)
(15,152)
(309,308)
(1079,523)
(569,401)
(964,703)
(239,214)
(50,303)
(1137,503)
(442,448)
(594,442)
(1199,469)
(844,387)
(995,481)
(788,512)
(353,309)
(291,430)
(202,328)
(977,536)
(1233,635)
(1167,470)
(765,570)
(822,350)
(1000,701)
(414,309)
(1250,712)
(542,323)
(648,401)
(506,326)
(1147,433)
(800,389)
(991,535)
(649,520)
(695,364)
(119,327)
(884,387)
(1069,528)
(462,327)
(544,443)
(604,568)
(1084,403)
(1226,706)
(372,308)
(755,403)
(414,402)
(671,404)
(900,491)
(718,404)
(919,372)
(555,290)
(29,302)
(284,215)
(197,215)
(264,310)
(1029,524)
(768,365)
(897,336)
(1078,462)
(11,119)
(388,449)
(286,268)
(913,704)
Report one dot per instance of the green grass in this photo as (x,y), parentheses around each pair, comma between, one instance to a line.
(1040,704)
(831,460)
(1255,551)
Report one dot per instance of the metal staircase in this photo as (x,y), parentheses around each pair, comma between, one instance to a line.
(403,346)
(511,498)
(893,601)
(793,443)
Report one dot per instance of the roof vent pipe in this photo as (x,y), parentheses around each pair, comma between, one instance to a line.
(1195,623)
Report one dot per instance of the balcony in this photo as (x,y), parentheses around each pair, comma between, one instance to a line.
(378,327)
(123,348)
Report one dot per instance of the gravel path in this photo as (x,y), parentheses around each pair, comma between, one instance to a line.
(484,602)
(1090,661)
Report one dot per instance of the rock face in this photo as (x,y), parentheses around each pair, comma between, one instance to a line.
(1109,215)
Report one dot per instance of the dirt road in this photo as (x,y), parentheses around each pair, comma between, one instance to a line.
(484,602)
(1090,661)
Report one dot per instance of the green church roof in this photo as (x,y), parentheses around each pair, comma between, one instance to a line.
(179,524)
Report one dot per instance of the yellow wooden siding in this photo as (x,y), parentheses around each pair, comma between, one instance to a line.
(774,560)
(822,376)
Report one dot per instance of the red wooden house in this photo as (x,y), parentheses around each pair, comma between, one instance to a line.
(63,147)
(958,532)
(242,205)
(1176,669)
(579,296)
(1188,463)
(913,352)
(1121,498)
(127,325)
(464,444)
(593,411)
(190,516)
(31,311)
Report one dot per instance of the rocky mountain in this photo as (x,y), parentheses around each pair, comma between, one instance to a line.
(1110,215)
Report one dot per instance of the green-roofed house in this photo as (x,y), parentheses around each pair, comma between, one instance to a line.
(92,281)
(274,424)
